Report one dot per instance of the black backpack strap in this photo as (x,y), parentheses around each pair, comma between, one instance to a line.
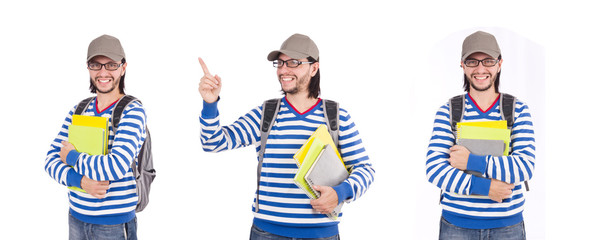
(83,105)
(270,110)
(331,113)
(117,111)
(456,105)
(507,108)
(115,118)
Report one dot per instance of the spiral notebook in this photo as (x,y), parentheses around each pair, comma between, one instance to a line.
(327,170)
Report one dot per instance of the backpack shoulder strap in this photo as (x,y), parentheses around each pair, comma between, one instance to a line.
(83,105)
(331,113)
(270,110)
(118,110)
(507,108)
(456,105)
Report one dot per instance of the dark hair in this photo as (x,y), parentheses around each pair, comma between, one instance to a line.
(121,82)
(314,88)
(466,84)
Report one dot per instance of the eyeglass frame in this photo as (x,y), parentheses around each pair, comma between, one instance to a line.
(276,62)
(104,65)
(481,62)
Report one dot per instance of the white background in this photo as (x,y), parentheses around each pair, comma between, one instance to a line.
(391,65)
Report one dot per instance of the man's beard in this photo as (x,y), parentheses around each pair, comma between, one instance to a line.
(114,85)
(492,77)
(299,84)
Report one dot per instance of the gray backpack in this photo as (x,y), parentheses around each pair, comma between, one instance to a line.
(143,170)
(270,110)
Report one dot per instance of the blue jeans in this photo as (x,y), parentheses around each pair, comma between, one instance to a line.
(449,231)
(87,231)
(259,234)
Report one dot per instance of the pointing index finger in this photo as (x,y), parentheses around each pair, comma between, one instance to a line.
(204,66)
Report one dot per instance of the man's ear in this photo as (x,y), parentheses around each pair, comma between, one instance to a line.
(124,68)
(314,68)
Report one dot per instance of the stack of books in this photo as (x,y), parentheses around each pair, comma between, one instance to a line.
(484,138)
(89,134)
(320,164)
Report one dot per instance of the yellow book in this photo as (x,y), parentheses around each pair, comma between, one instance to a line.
(313,152)
(487,133)
(322,134)
(491,124)
(88,140)
(93,121)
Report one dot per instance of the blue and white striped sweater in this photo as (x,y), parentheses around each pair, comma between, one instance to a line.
(465,200)
(284,208)
(121,200)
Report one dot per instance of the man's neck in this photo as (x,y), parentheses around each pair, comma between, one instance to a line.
(106,99)
(484,99)
(301,102)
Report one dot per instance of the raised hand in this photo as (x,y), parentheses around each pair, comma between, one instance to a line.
(209,86)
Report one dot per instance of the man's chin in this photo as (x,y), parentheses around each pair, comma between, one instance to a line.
(104,91)
(290,91)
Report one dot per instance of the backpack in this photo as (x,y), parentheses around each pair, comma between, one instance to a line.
(270,110)
(506,108)
(142,168)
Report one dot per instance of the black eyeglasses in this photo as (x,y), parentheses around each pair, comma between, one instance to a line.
(487,62)
(292,63)
(111,66)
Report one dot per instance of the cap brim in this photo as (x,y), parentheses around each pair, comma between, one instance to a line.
(294,55)
(493,54)
(115,57)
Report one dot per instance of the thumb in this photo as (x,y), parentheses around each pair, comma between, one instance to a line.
(319,188)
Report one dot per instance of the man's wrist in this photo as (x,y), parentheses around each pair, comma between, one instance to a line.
(343,191)
(480,186)
(74,179)
(72,157)
(477,163)
(209,110)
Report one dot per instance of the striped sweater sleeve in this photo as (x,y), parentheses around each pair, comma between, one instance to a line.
(438,168)
(216,138)
(125,147)
(53,164)
(355,157)
(519,165)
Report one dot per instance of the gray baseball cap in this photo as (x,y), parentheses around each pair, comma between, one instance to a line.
(296,46)
(107,46)
(480,42)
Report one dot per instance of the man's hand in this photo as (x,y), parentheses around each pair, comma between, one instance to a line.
(500,190)
(95,188)
(459,157)
(65,149)
(209,86)
(328,200)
